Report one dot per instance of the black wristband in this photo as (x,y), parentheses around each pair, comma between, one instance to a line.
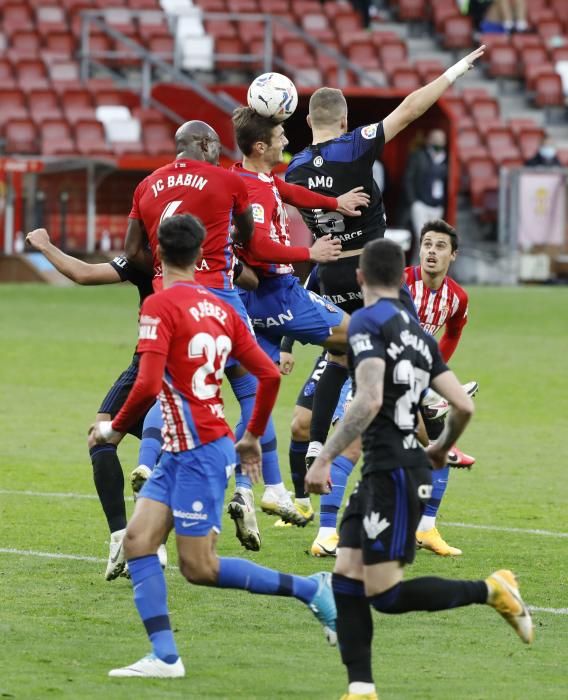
(286,344)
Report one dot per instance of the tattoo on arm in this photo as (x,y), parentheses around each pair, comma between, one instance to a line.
(365,406)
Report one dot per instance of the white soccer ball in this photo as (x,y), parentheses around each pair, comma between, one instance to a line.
(273,95)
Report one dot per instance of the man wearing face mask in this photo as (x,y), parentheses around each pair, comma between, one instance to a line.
(545,156)
(424,182)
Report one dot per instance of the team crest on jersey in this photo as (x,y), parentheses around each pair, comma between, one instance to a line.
(318,161)
(370,131)
(258,213)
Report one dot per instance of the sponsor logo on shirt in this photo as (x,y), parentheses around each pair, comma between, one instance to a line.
(258,213)
(369,132)
(148,328)
(360,342)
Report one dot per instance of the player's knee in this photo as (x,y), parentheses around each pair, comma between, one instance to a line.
(135,543)
(200,571)
(300,428)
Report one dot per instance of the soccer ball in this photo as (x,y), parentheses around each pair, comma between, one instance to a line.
(273,95)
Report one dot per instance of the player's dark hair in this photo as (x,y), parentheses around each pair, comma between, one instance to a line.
(441,226)
(251,127)
(382,263)
(180,238)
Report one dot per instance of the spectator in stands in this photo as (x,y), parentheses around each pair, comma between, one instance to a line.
(424,182)
(546,154)
(363,7)
(499,16)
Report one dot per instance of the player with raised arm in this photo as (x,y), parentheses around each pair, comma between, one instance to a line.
(193,183)
(107,470)
(186,336)
(280,305)
(440,303)
(393,361)
(334,162)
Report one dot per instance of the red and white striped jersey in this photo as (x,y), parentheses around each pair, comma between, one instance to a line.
(446,306)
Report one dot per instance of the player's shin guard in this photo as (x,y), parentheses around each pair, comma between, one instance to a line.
(247,576)
(330,503)
(354,627)
(326,396)
(429,593)
(297,455)
(151,444)
(150,597)
(109,482)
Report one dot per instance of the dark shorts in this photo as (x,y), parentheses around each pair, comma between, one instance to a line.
(306,396)
(338,284)
(383,512)
(118,393)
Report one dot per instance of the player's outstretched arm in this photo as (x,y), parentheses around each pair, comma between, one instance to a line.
(461,411)
(415,104)
(369,377)
(76,270)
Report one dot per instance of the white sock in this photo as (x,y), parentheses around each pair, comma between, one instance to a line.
(277,489)
(361,688)
(427,522)
(325,532)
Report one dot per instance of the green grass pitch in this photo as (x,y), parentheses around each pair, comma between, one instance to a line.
(62,627)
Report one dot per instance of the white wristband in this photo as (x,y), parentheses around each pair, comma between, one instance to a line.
(106,429)
(458,69)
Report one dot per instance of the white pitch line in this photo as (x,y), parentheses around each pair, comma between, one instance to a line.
(469,526)
(98,560)
(518,530)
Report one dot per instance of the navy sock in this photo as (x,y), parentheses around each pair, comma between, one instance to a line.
(247,576)
(297,454)
(439,485)
(151,444)
(326,397)
(354,627)
(429,593)
(150,596)
(330,503)
(109,482)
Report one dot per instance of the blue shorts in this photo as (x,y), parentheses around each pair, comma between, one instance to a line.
(345,399)
(192,484)
(232,297)
(281,306)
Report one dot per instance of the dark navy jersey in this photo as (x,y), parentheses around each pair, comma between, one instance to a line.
(412,359)
(335,167)
(129,273)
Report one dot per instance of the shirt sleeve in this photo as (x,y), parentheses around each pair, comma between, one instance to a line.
(120,264)
(240,195)
(135,209)
(303,198)
(369,140)
(247,351)
(453,328)
(156,326)
(365,339)
(264,249)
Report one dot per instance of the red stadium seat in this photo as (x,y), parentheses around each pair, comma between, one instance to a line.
(242,5)
(529,140)
(12,105)
(317,25)
(380,37)
(229,45)
(428,69)
(539,13)
(405,78)
(456,105)
(392,54)
(212,5)
(16,16)
(504,63)
(550,28)
(483,109)
(64,72)
(90,138)
(43,104)
(20,136)
(458,33)
(412,10)
(520,124)
(372,78)
(441,11)
(77,104)
(563,156)
(162,47)
(60,44)
(308,77)
(304,7)
(158,138)
(297,54)
(56,138)
(31,73)
(275,7)
(522,41)
(336,77)
(125,148)
(364,55)
(345,19)
(221,29)
(144,4)
(471,95)
(323,60)
(152,24)
(499,138)
(468,138)
(491,41)
(558,53)
(549,91)
(533,72)
(25,43)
